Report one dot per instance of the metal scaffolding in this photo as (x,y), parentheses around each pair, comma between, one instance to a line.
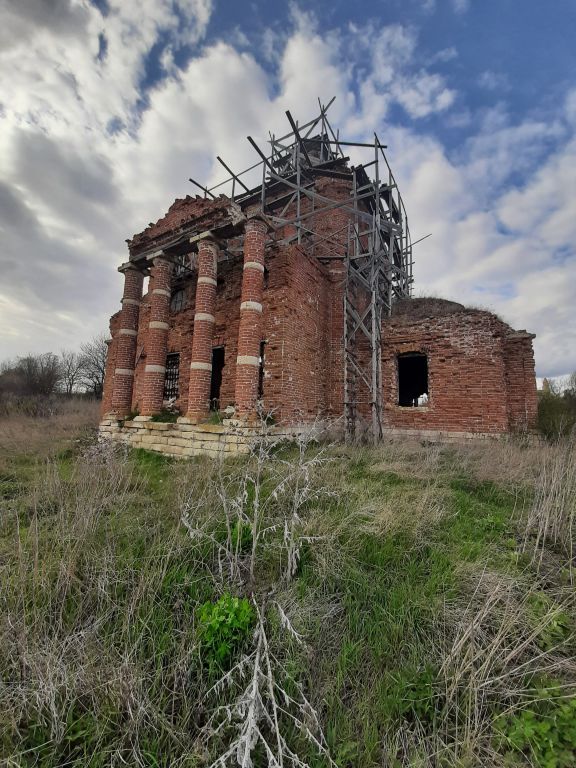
(365,226)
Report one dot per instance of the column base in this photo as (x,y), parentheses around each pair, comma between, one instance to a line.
(186,420)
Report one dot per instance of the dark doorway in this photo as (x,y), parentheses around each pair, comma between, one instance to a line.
(412,379)
(216,380)
(261,370)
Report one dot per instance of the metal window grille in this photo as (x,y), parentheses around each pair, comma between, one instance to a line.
(172,376)
(182,266)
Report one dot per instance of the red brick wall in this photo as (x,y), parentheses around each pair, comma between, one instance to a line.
(481,373)
(474,382)
(307,366)
(336,287)
(520,382)
(225,331)
(106,405)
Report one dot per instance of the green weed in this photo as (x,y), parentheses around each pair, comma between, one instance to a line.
(223,629)
(543,733)
(165,417)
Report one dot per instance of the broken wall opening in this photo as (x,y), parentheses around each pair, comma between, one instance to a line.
(412,378)
(216,378)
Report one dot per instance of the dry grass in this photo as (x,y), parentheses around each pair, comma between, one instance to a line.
(42,437)
(550,523)
(513,462)
(88,672)
(407,588)
(493,648)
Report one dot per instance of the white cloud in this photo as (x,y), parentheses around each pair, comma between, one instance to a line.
(461,6)
(444,55)
(73,189)
(493,81)
(513,250)
(394,74)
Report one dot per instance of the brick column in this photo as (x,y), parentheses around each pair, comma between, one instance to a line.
(250,330)
(126,341)
(157,343)
(205,308)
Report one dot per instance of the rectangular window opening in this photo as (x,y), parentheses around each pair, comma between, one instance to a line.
(178,300)
(412,379)
(261,360)
(216,379)
(172,376)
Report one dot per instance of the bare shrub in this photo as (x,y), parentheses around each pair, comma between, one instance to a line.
(269,709)
(256,515)
(260,503)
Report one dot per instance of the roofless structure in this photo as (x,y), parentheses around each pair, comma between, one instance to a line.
(274,298)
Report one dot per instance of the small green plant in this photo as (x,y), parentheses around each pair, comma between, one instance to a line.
(558,626)
(132,415)
(412,696)
(165,417)
(544,732)
(223,629)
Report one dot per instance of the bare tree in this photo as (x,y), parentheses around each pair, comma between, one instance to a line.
(10,378)
(71,370)
(38,374)
(93,356)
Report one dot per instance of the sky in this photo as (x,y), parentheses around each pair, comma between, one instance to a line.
(107,107)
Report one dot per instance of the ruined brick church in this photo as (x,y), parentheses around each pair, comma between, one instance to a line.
(286,291)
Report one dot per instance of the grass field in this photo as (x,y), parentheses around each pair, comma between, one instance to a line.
(411,605)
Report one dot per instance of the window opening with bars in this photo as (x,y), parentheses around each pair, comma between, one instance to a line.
(172,376)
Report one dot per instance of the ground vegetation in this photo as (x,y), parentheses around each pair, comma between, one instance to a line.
(311,604)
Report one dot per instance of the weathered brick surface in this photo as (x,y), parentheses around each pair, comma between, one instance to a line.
(306,343)
(122,375)
(203,336)
(251,325)
(106,404)
(520,381)
(471,364)
(181,212)
(156,345)
(271,289)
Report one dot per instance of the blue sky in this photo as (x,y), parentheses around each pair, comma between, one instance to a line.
(108,106)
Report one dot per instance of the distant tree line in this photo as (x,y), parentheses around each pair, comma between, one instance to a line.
(557,406)
(48,374)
